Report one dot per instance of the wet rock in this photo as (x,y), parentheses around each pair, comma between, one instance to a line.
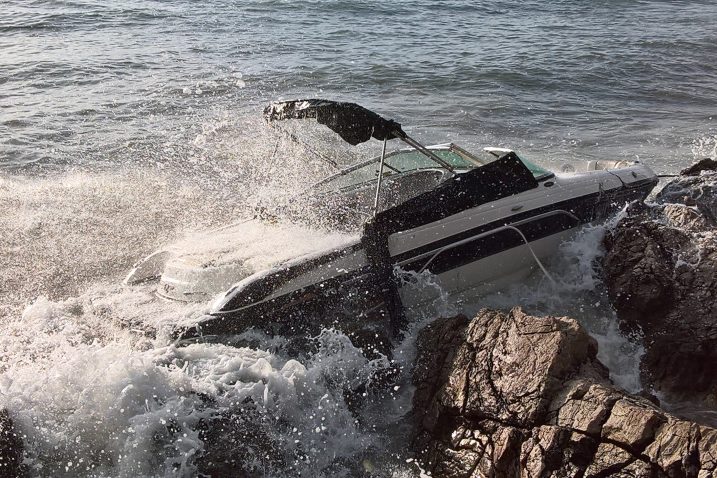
(235,446)
(247,442)
(237,443)
(686,218)
(706,164)
(660,273)
(11,449)
(697,189)
(509,395)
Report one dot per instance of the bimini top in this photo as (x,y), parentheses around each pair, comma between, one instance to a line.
(355,124)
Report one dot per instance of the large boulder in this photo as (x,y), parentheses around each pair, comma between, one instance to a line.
(661,273)
(511,395)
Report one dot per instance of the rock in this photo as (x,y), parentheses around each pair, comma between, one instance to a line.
(697,191)
(660,273)
(631,424)
(11,449)
(686,218)
(511,395)
(611,460)
(584,407)
(516,385)
(675,449)
(235,444)
(706,164)
(640,250)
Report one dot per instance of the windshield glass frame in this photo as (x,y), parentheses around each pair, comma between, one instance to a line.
(462,156)
(467,161)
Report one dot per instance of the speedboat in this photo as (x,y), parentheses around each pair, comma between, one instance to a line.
(476,221)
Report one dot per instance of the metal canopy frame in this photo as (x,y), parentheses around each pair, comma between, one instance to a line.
(275,112)
(418,147)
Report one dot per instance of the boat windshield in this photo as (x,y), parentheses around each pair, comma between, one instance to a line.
(397,162)
(345,200)
(405,161)
(538,172)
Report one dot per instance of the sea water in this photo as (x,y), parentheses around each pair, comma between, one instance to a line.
(130,125)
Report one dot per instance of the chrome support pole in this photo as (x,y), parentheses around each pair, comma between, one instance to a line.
(412,142)
(380,178)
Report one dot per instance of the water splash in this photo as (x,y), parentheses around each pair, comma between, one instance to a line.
(88,371)
(704,147)
(114,403)
(578,293)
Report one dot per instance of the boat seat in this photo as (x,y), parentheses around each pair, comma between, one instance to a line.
(409,185)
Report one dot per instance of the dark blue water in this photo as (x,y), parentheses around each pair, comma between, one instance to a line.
(81,81)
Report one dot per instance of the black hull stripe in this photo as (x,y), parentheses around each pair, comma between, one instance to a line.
(257,290)
(507,239)
(502,240)
(285,309)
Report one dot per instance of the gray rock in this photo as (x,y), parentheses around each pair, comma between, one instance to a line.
(510,395)
(236,445)
(696,187)
(660,271)
(706,164)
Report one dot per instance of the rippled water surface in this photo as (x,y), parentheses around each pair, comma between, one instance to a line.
(127,125)
(83,81)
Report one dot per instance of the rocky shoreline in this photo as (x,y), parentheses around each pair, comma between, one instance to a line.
(508,395)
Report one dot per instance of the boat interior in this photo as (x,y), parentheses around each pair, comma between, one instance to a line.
(350,196)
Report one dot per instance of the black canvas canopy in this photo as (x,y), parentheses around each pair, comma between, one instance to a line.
(354,123)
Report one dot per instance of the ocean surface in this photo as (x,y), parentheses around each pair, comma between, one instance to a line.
(127,125)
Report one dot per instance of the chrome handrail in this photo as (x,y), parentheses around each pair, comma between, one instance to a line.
(512,226)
